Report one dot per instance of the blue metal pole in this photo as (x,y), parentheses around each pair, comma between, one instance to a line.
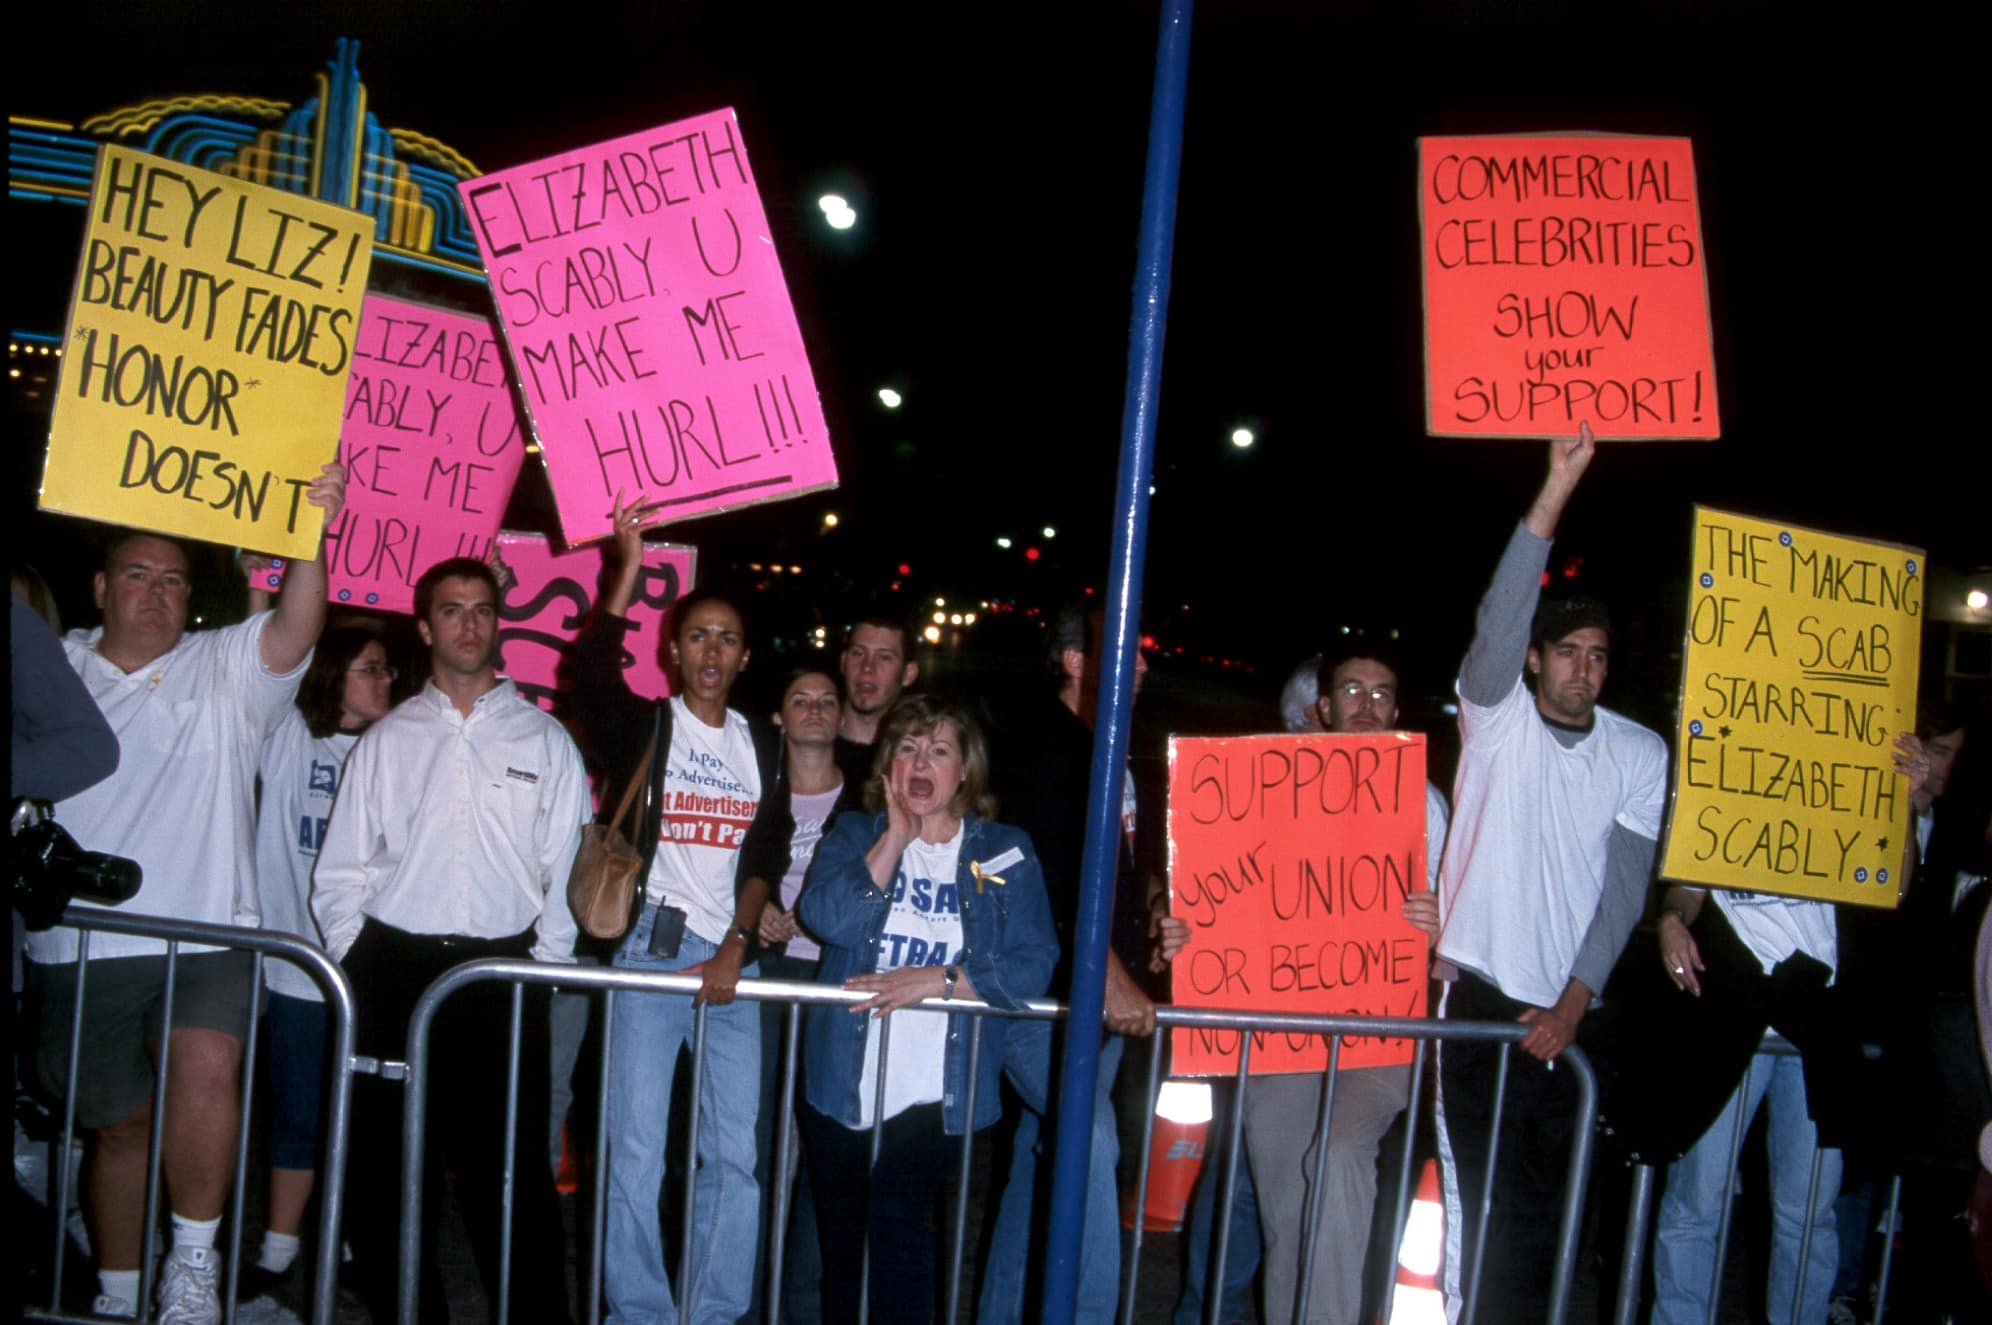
(1080,1074)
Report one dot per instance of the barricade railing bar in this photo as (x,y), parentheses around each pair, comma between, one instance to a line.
(261,945)
(614,983)
(1647,1177)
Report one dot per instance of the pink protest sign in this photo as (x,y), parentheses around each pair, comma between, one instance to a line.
(649,326)
(431,444)
(552,595)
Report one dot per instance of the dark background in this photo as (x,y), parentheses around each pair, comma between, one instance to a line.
(994,156)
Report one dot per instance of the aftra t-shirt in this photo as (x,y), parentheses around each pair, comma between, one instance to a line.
(300,775)
(923,928)
(1773,928)
(810,813)
(712,786)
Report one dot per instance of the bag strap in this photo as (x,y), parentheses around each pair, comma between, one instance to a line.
(641,776)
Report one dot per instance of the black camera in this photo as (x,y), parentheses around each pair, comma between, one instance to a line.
(50,868)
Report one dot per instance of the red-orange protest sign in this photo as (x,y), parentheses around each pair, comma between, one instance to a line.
(1291,857)
(1564,283)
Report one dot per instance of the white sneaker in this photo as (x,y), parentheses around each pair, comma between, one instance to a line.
(106,1305)
(190,1288)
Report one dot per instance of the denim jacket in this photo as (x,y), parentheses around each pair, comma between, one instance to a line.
(1008,951)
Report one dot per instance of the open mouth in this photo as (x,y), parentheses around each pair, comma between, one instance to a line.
(921,788)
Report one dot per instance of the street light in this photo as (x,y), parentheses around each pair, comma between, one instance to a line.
(889,398)
(1242,438)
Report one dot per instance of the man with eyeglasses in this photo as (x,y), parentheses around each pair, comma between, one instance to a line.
(455,828)
(1556,821)
(190,710)
(1357,692)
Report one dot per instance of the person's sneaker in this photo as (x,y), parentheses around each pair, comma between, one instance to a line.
(106,1305)
(190,1288)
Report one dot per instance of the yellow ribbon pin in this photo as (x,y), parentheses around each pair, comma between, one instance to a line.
(975,869)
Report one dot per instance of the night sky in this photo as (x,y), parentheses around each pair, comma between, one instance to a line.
(994,155)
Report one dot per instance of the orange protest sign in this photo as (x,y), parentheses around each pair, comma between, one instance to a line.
(1564,283)
(1291,857)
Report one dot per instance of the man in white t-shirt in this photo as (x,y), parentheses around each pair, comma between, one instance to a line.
(190,711)
(1556,821)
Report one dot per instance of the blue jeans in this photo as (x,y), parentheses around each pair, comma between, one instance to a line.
(1684,1251)
(1003,1279)
(648,1030)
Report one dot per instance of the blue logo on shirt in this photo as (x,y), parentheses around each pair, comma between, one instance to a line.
(325,778)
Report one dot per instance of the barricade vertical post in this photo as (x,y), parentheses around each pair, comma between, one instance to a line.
(1479,1251)
(778,1175)
(1387,1278)
(1887,1249)
(1133,1274)
(685,1262)
(1227,1192)
(1573,1196)
(871,1162)
(155,1144)
(338,1122)
(61,1162)
(960,1239)
(1729,1191)
(234,1260)
(592,1290)
(508,1190)
(1632,1262)
(1149,324)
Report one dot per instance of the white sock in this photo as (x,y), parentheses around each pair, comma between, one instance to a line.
(194,1234)
(279,1251)
(120,1284)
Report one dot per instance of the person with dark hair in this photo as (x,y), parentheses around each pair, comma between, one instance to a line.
(1045,789)
(344,691)
(1556,822)
(190,710)
(922,898)
(877,666)
(455,828)
(819,794)
(715,830)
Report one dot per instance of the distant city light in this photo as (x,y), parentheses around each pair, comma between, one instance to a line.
(1049,532)
(1976,600)
(1031,554)
(954,618)
(940,618)
(905,569)
(829,519)
(940,602)
(1242,437)
(889,398)
(932,634)
(1003,542)
(968,618)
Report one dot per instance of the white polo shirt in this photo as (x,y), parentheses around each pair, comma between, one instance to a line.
(190,725)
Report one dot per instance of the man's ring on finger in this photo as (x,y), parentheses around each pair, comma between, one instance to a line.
(1679,971)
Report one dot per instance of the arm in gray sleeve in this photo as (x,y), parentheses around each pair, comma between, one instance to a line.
(1628,870)
(1501,626)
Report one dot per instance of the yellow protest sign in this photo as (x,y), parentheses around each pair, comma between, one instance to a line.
(1801,668)
(204,369)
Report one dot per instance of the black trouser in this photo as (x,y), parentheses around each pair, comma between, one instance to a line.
(1532,1163)
(897,1204)
(467,1082)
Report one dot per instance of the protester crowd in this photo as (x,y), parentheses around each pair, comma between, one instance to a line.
(875,835)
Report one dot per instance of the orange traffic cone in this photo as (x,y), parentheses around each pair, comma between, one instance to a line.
(1416,1299)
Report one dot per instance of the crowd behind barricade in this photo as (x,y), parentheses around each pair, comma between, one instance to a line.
(881,836)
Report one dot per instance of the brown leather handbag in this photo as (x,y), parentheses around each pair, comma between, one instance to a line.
(601,888)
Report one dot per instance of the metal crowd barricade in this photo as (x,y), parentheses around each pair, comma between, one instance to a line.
(1639,1212)
(260,944)
(615,983)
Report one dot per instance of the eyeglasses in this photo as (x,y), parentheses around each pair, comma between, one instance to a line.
(1356,691)
(375,669)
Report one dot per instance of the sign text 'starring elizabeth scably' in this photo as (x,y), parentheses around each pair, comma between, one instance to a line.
(1291,857)
(431,444)
(210,335)
(552,596)
(1565,282)
(1800,669)
(649,327)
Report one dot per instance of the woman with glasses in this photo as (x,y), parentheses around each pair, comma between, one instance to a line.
(343,692)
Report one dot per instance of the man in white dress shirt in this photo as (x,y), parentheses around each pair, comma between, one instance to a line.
(455,828)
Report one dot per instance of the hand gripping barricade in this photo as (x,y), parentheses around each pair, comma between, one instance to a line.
(262,945)
(615,983)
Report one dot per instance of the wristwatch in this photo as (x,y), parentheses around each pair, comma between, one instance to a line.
(741,932)
(951,974)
